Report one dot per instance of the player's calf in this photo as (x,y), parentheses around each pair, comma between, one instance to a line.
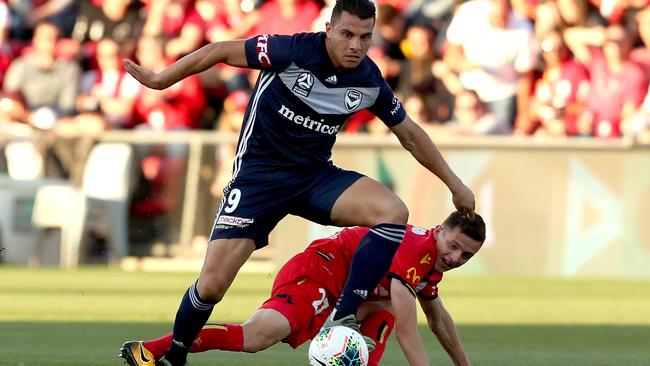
(378,327)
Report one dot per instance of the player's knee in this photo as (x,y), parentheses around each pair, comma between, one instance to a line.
(401,213)
(259,341)
(211,290)
(393,212)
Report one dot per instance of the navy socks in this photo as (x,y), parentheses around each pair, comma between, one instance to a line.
(370,262)
(192,315)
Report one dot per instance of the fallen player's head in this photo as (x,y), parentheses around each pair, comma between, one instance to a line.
(458,239)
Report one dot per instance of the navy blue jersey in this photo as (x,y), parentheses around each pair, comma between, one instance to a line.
(300,101)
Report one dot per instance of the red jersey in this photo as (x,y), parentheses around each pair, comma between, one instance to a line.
(327,262)
(413,266)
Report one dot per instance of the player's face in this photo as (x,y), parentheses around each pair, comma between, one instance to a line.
(454,249)
(348,40)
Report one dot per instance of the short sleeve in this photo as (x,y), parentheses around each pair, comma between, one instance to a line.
(270,52)
(388,107)
(427,291)
(428,287)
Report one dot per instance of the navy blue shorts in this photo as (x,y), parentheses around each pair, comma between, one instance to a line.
(257,199)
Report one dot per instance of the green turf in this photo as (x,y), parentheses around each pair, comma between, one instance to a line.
(52,317)
(61,344)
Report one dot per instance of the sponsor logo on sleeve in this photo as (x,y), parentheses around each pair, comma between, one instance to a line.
(396,106)
(262,49)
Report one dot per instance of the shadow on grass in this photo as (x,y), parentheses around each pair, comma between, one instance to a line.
(67,344)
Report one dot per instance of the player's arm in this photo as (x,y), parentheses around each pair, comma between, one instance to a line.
(419,144)
(404,309)
(230,52)
(442,325)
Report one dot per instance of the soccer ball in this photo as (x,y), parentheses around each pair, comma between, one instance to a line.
(338,346)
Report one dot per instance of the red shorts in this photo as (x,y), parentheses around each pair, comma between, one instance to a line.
(306,304)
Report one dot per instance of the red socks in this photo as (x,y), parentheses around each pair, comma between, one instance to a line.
(159,346)
(227,337)
(378,326)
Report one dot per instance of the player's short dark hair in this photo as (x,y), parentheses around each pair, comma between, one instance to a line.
(364,9)
(474,228)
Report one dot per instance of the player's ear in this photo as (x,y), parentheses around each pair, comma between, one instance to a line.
(328,30)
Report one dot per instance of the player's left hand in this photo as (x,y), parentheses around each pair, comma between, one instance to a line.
(145,76)
(463,199)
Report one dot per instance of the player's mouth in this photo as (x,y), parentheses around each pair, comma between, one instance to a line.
(446,264)
(352,58)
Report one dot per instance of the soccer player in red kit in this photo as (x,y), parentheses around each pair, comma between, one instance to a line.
(307,286)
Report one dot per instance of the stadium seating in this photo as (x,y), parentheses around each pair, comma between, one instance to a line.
(101,204)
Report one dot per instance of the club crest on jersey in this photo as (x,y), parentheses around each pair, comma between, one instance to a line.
(303,84)
(353,99)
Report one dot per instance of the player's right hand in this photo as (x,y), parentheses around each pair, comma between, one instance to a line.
(145,76)
(463,199)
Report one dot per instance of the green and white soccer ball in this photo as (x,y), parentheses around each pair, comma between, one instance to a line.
(338,346)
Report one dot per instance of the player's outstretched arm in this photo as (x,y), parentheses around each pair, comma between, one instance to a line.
(442,325)
(406,327)
(230,52)
(417,142)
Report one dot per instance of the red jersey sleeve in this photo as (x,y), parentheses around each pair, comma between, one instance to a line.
(428,288)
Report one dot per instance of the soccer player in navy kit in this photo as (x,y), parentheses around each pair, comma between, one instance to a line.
(309,84)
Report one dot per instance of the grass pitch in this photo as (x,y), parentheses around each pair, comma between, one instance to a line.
(53,317)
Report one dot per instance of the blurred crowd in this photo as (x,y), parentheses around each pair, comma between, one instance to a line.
(475,67)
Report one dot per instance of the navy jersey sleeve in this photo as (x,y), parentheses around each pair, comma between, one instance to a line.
(270,52)
(387,107)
